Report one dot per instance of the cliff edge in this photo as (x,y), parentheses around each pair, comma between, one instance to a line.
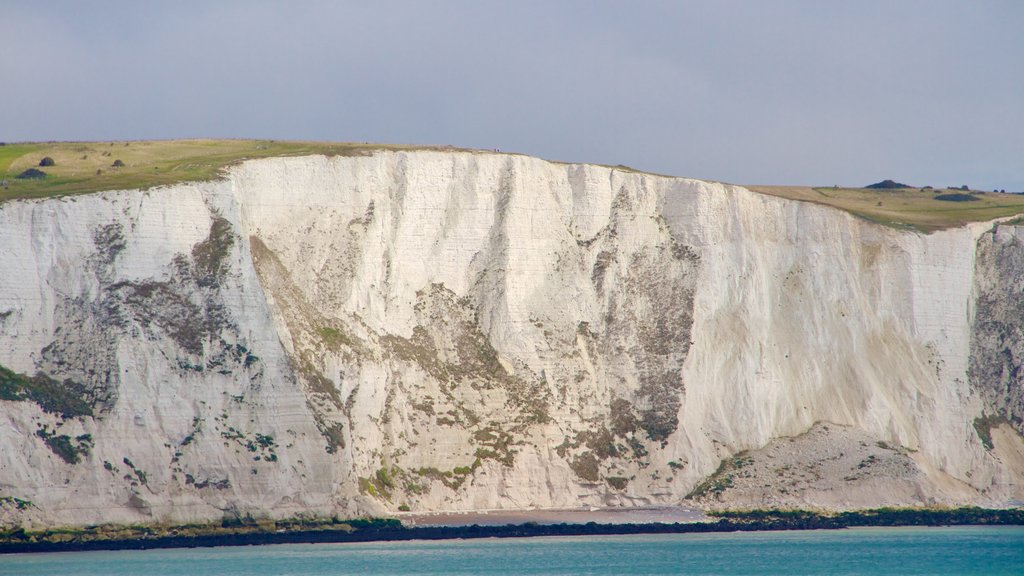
(448,330)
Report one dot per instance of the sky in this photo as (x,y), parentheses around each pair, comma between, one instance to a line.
(748,92)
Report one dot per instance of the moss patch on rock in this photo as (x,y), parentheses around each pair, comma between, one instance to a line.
(66,399)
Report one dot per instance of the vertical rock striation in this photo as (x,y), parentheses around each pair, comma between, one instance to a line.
(452,331)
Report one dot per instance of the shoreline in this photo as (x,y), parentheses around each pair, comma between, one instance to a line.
(381,535)
(386,530)
(600,515)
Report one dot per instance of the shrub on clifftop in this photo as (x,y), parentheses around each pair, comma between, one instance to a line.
(886,185)
(956,197)
(32,174)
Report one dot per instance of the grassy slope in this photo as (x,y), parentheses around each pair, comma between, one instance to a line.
(11,152)
(83,167)
(909,208)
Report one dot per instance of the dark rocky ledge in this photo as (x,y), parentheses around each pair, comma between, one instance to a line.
(377,530)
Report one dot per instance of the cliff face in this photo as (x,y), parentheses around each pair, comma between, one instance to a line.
(461,331)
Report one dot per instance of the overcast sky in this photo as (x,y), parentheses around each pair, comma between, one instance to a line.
(772,92)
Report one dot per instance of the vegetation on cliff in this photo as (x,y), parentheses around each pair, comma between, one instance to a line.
(922,209)
(81,167)
(65,399)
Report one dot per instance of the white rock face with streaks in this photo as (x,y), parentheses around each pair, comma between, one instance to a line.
(454,331)
(91,291)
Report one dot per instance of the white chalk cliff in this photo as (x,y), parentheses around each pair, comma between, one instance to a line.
(456,330)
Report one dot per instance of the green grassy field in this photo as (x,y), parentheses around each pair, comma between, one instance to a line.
(910,208)
(83,167)
(11,152)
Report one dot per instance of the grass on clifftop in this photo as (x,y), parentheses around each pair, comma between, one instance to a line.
(925,210)
(81,167)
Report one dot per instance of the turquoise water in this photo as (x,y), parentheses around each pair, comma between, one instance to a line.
(959,550)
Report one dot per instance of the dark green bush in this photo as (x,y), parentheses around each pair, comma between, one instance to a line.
(886,185)
(32,174)
(956,197)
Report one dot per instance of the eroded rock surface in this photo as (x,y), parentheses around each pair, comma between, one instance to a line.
(997,345)
(458,331)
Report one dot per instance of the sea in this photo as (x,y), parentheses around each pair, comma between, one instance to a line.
(979,550)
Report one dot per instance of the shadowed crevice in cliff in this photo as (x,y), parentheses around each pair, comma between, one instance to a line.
(996,367)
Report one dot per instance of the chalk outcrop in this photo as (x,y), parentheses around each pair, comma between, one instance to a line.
(454,331)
